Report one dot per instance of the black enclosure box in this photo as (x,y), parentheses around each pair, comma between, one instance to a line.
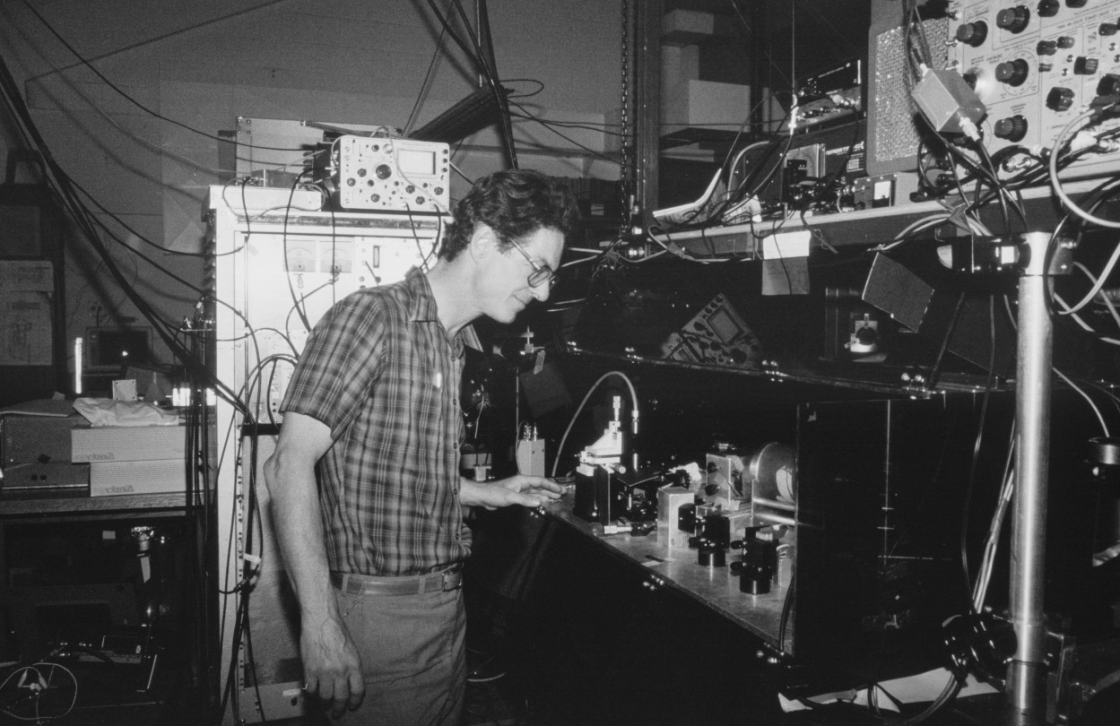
(880,490)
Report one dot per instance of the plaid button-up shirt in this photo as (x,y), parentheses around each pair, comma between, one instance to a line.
(381,371)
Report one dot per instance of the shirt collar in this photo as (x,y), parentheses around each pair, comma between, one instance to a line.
(422,308)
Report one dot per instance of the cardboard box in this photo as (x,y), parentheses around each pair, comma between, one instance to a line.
(113,478)
(36,439)
(124,443)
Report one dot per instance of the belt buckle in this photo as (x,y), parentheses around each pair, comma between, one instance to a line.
(450,579)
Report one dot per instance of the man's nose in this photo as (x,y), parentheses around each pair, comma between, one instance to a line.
(542,290)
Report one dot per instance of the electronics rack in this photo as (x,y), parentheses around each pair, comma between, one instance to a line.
(1036,66)
(266,256)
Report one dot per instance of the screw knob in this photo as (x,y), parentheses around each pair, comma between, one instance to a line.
(972,33)
(1013,72)
(1109,85)
(1060,98)
(1014,19)
(1085,66)
(1013,129)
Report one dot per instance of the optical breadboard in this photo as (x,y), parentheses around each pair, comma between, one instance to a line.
(391,174)
(1037,66)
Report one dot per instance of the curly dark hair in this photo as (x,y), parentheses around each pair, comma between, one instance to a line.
(515,204)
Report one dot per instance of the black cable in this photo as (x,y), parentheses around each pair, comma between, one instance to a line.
(970,485)
(599,128)
(298,305)
(479,60)
(549,125)
(540,86)
(424,83)
(287,265)
(935,374)
(130,230)
(129,98)
(88,224)
(487,55)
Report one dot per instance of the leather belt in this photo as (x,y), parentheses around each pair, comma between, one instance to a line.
(449,579)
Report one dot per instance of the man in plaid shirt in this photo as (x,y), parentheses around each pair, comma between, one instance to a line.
(366,494)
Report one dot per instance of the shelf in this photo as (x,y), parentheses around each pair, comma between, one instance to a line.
(839,378)
(56,503)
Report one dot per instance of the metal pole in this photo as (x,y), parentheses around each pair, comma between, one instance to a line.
(1026,674)
(647,102)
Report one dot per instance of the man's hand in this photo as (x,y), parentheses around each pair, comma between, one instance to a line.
(331,666)
(527,491)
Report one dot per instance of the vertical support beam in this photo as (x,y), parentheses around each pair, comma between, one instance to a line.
(647,103)
(1026,674)
(759,111)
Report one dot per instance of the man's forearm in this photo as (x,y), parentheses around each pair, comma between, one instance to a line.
(299,532)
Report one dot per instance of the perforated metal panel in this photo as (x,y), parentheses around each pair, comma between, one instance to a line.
(892,133)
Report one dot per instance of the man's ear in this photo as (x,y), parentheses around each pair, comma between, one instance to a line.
(484,242)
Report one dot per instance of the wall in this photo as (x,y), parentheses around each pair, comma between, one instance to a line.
(204,63)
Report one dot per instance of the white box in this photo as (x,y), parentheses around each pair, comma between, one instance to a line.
(114,478)
(530,457)
(673,538)
(669,501)
(127,443)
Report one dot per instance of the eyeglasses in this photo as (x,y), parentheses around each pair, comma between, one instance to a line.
(540,274)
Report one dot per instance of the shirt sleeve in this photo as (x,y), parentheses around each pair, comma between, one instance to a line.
(340,363)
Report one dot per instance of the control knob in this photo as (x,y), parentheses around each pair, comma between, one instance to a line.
(1076,3)
(1060,98)
(1013,72)
(1085,66)
(1014,20)
(1108,29)
(973,33)
(1048,8)
(1013,129)
(1047,47)
(383,171)
(1109,85)
(1065,42)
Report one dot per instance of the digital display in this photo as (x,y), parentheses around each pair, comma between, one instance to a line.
(416,162)
(723,325)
